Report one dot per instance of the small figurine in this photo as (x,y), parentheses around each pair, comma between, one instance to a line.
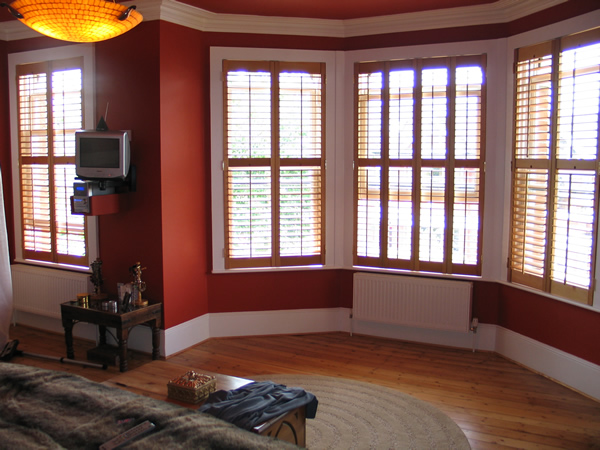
(138,285)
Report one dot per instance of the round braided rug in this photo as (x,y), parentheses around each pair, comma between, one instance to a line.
(357,415)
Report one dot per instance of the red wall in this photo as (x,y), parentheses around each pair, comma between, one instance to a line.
(5,164)
(486,301)
(185,165)
(280,291)
(127,78)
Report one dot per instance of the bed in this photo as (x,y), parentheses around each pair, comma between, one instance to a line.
(52,409)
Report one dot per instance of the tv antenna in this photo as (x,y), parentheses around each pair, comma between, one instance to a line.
(102,126)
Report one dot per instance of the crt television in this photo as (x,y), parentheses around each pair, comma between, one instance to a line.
(102,154)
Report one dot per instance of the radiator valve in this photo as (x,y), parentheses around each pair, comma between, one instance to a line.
(474,324)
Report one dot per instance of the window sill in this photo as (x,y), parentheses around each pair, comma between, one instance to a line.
(272,269)
(49,265)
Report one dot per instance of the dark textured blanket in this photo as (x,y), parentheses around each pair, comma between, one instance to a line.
(258,402)
(47,409)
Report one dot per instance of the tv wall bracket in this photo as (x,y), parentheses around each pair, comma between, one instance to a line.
(105,186)
(100,196)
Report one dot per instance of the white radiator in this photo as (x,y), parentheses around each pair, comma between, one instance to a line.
(413,301)
(41,291)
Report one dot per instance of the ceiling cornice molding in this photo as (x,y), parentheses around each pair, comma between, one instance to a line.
(502,11)
(516,9)
(199,19)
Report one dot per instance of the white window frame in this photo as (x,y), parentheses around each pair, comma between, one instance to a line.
(217,55)
(557,30)
(85,51)
(367,158)
(495,162)
(551,162)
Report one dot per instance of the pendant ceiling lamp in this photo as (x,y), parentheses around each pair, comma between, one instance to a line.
(76,20)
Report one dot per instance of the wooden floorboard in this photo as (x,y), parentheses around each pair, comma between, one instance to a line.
(498,404)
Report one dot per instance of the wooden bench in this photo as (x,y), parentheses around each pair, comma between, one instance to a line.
(289,427)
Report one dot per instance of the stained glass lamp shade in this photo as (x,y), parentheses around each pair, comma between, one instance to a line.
(76,20)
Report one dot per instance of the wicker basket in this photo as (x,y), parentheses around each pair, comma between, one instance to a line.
(191,387)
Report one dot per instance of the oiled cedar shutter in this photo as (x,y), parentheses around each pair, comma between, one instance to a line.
(531,171)
(50,110)
(274,163)
(555,163)
(419,164)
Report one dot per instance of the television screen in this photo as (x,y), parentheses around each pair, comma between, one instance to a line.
(99,152)
(102,154)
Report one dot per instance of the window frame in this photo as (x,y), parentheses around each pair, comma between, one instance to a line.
(270,158)
(552,165)
(417,163)
(218,55)
(86,52)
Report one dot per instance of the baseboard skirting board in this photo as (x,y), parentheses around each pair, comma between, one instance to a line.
(185,335)
(569,370)
(564,368)
(324,320)
(253,323)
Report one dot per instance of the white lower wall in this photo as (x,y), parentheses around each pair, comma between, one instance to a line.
(260,323)
(560,366)
(279,322)
(484,339)
(185,335)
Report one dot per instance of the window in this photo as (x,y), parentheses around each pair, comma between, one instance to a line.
(50,110)
(274,165)
(49,107)
(555,166)
(419,164)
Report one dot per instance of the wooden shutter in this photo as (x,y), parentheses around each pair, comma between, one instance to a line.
(531,171)
(574,211)
(555,163)
(274,163)
(419,160)
(369,148)
(469,156)
(50,110)
(434,154)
